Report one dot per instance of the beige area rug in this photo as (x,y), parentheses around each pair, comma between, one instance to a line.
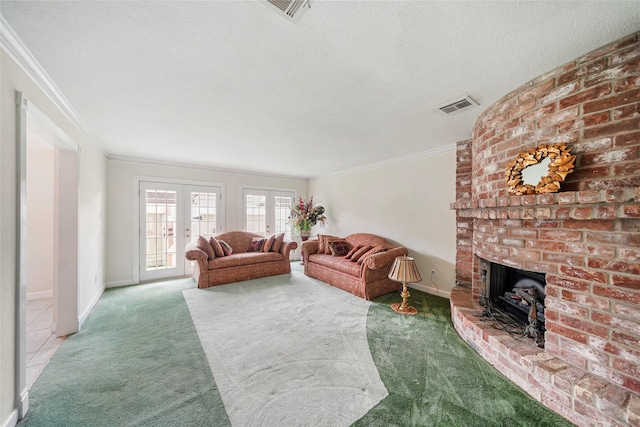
(287,351)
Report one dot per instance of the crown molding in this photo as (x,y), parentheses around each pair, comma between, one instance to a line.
(18,51)
(126,159)
(394,161)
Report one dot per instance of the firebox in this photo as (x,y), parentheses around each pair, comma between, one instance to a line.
(517,292)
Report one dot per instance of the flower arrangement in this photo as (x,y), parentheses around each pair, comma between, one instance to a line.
(304,216)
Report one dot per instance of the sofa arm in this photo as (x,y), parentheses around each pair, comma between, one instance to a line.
(384,259)
(310,247)
(192,253)
(288,246)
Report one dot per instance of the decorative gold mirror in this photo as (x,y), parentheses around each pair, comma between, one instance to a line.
(539,170)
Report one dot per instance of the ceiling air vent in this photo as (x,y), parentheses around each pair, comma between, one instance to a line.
(457,106)
(292,9)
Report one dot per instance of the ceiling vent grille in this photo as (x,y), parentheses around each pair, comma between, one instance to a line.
(292,9)
(457,106)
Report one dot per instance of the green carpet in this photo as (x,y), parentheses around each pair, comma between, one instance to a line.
(435,379)
(138,362)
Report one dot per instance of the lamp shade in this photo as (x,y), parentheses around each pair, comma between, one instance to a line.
(404,270)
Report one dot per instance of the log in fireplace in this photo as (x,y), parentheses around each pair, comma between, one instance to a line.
(518,293)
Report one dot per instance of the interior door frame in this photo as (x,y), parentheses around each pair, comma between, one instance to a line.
(135,222)
(65,292)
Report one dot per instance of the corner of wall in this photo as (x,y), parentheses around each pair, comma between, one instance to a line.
(90,307)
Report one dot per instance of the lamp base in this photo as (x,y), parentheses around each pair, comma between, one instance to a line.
(404,307)
(407,309)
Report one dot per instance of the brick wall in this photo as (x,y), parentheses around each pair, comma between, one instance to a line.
(464,227)
(592,104)
(585,238)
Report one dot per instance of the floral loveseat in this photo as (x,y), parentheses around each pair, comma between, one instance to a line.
(228,257)
(364,275)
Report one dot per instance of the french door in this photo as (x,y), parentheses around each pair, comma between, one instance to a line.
(267,211)
(170,216)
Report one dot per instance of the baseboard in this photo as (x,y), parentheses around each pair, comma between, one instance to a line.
(433,291)
(119,283)
(23,405)
(39,295)
(12,420)
(23,408)
(92,304)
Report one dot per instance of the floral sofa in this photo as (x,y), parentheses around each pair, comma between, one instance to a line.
(364,275)
(234,261)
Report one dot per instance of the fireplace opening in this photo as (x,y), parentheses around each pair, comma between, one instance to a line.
(519,293)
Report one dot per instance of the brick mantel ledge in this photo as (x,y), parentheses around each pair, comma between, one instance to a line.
(621,196)
(577,395)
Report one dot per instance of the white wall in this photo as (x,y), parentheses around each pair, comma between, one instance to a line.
(91,201)
(407,203)
(40,221)
(92,227)
(121,241)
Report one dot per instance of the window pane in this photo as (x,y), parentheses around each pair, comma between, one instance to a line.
(203,214)
(160,227)
(282,211)
(256,214)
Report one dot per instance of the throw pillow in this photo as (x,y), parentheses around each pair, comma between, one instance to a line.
(277,242)
(268,243)
(321,242)
(353,251)
(339,248)
(256,244)
(373,251)
(358,254)
(226,248)
(204,245)
(329,239)
(216,247)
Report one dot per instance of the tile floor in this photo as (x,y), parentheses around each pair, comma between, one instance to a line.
(41,342)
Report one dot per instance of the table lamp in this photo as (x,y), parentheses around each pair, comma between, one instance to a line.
(404,270)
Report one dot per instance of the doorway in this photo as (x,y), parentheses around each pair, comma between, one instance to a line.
(63,235)
(171,215)
(42,341)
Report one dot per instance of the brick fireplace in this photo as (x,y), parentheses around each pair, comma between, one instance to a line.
(584,239)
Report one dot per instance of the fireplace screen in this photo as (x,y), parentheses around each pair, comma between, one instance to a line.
(519,293)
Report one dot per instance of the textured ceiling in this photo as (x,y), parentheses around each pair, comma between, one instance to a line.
(235,85)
